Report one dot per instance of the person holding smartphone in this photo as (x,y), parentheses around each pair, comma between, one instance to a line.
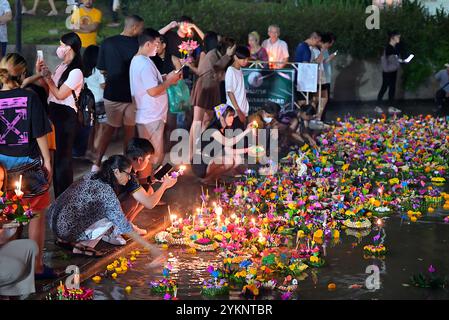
(327,41)
(135,196)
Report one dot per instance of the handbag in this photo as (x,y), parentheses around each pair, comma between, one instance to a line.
(34,179)
(390,63)
(178,97)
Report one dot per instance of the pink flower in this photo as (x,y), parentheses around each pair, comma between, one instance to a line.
(432,269)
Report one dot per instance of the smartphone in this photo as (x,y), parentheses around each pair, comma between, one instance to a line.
(410,57)
(179,70)
(163,171)
(336,52)
(40,55)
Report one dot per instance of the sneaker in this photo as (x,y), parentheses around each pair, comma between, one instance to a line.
(394,110)
(140,231)
(115,240)
(378,110)
(95,168)
(113,25)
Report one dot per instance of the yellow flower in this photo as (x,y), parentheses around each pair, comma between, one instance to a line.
(96,279)
(114,275)
(314,259)
(227,235)
(336,234)
(110,267)
(128,289)
(318,234)
(394,181)
(349,213)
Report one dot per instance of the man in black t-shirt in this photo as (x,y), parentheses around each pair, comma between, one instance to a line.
(391,60)
(114,60)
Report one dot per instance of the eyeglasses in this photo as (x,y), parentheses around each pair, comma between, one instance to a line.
(129,174)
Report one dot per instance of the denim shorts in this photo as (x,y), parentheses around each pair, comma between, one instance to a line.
(13,162)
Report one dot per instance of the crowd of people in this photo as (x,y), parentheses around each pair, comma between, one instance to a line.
(130,76)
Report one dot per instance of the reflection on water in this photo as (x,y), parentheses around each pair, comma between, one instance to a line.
(412,247)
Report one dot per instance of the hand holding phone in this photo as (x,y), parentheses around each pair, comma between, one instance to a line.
(40,55)
(163,171)
(182,67)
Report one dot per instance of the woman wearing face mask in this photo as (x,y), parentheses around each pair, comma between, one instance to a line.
(63,85)
(217,155)
(24,128)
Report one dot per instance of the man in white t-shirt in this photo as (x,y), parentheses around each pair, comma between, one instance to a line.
(235,85)
(149,92)
(277,49)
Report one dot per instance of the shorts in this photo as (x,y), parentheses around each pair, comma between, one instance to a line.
(154,132)
(40,202)
(51,139)
(100,113)
(120,114)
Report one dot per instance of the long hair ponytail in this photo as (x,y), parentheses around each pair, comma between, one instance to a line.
(106,173)
(72,40)
(12,67)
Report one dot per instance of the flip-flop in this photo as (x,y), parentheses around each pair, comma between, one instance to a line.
(63,244)
(87,251)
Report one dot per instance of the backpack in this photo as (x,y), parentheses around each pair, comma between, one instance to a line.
(85,105)
(390,63)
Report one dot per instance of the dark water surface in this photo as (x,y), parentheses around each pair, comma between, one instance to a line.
(412,248)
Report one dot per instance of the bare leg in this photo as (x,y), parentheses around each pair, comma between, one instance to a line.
(53,7)
(195,130)
(105,139)
(130,132)
(37,233)
(207,118)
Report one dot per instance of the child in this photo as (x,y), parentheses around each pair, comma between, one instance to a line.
(96,83)
(300,126)
(235,86)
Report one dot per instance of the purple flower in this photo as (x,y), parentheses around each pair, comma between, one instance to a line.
(432,269)
(377,237)
(210,269)
(167,296)
(286,295)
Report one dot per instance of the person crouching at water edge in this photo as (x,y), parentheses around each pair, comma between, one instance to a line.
(135,195)
(214,154)
(89,210)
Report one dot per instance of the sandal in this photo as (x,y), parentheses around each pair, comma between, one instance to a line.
(64,244)
(86,251)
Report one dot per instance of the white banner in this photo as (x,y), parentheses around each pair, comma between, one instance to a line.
(307,77)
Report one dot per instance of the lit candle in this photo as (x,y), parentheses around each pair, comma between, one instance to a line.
(18,190)
(218,211)
(173,219)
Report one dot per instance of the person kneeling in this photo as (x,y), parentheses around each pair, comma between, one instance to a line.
(217,155)
(89,210)
(134,196)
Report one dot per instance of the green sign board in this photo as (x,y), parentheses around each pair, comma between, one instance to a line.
(264,85)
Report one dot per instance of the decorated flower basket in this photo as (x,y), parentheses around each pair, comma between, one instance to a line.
(204,244)
(375,250)
(359,224)
(212,288)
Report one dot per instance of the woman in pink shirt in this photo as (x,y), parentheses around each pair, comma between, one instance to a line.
(64,85)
